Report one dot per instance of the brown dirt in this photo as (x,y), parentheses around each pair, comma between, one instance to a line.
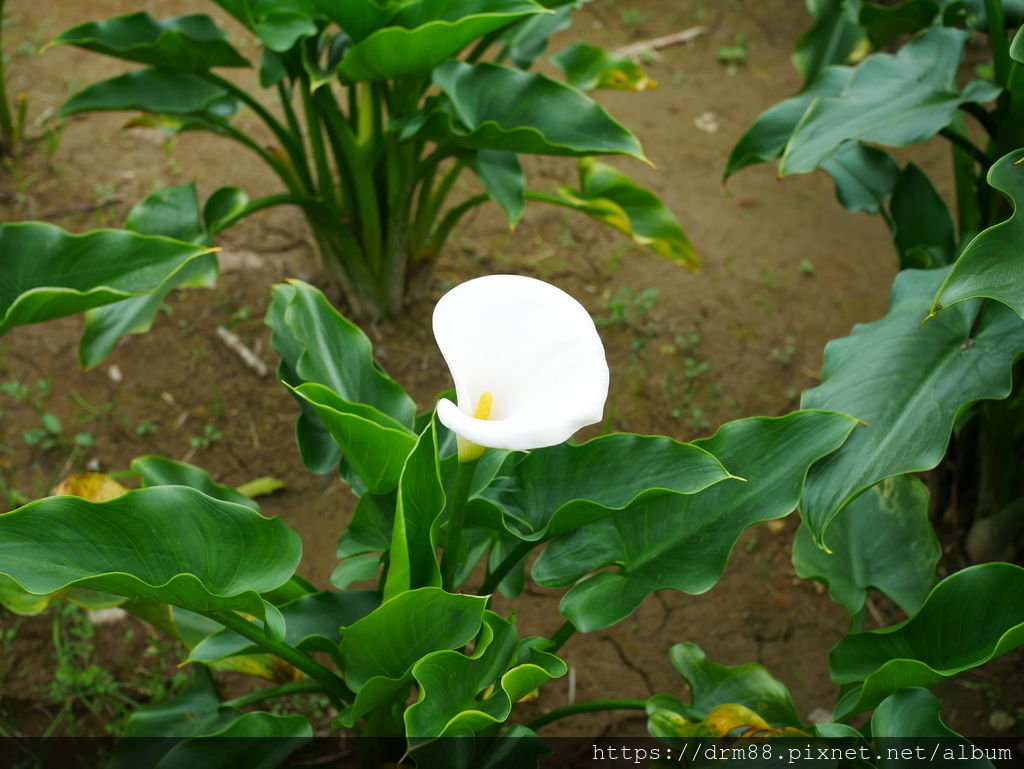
(754,315)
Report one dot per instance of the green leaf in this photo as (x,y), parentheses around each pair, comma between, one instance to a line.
(355,569)
(587,67)
(373,444)
(886,24)
(49,273)
(924,234)
(279,737)
(907,384)
(194,710)
(378,651)
(555,490)
(318,345)
(766,138)
(191,43)
(683,542)
(282,28)
(371,526)
(312,624)
(893,100)
(150,90)
(712,685)
(492,107)
(174,213)
(223,205)
(359,18)
(971,617)
(502,176)
(831,40)
(412,558)
(610,196)
(991,264)
(864,176)
(156,470)
(526,40)
(389,640)
(168,543)
(901,564)
(425,33)
(452,698)
(914,713)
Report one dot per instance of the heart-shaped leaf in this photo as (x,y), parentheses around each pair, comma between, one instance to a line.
(150,90)
(766,138)
(168,543)
(892,99)
(907,384)
(318,345)
(491,107)
(608,195)
(452,685)
(378,651)
(374,445)
(683,542)
(990,265)
(191,43)
(914,712)
(712,685)
(901,564)
(174,213)
(155,470)
(554,490)
(424,33)
(972,616)
(51,273)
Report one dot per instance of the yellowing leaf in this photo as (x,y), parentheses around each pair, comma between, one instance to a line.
(96,487)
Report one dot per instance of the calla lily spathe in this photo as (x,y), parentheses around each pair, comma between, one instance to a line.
(528,364)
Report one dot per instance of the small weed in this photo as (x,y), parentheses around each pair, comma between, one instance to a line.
(77,678)
(146,427)
(241,315)
(632,18)
(806,267)
(209,437)
(735,55)
(768,279)
(628,308)
(784,355)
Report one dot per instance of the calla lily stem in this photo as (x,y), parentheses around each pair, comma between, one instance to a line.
(518,553)
(270,692)
(585,707)
(561,635)
(457,500)
(333,685)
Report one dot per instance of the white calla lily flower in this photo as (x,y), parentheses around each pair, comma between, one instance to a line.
(528,364)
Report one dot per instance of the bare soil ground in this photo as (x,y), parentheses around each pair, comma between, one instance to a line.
(785,269)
